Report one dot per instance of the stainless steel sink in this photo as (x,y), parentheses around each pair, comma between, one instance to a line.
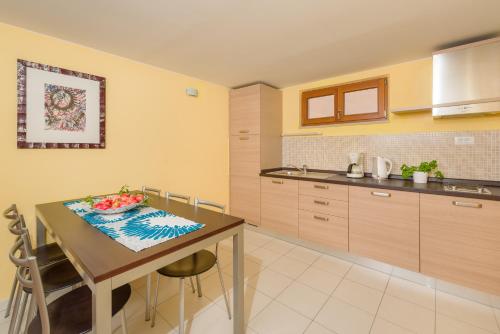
(312,175)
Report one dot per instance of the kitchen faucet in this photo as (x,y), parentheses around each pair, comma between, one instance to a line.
(303,169)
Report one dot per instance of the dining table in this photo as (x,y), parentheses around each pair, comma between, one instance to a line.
(105,264)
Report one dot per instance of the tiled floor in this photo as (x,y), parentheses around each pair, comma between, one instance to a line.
(290,289)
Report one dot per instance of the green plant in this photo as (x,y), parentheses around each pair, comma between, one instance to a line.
(425,166)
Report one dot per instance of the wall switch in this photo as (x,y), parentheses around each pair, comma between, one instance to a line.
(469,140)
(191,91)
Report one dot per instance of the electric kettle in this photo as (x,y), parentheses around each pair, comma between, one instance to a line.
(381,168)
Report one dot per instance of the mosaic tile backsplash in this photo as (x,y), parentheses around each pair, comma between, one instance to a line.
(478,161)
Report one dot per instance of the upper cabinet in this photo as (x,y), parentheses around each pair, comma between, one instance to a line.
(354,102)
(244,105)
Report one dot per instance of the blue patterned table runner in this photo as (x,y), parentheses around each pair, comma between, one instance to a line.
(137,229)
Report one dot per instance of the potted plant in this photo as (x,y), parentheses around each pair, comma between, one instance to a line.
(421,172)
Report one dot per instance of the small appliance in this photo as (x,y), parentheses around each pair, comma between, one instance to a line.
(355,170)
(381,168)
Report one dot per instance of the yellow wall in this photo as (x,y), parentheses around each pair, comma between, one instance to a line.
(410,84)
(156,135)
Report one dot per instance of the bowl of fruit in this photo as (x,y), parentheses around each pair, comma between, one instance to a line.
(117,203)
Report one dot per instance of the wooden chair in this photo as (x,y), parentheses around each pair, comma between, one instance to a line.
(154,191)
(70,313)
(192,265)
(169,195)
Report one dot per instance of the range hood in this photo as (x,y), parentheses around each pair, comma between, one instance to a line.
(466,79)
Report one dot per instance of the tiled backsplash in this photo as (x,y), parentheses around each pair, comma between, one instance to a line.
(479,161)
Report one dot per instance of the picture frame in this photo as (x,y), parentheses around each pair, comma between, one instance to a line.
(59,108)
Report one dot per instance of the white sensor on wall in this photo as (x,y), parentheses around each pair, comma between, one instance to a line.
(191,91)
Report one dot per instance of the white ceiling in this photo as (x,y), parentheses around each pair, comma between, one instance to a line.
(281,42)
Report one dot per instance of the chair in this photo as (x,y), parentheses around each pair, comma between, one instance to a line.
(154,191)
(169,195)
(192,265)
(70,313)
(46,254)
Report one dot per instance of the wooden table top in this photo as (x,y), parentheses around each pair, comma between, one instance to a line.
(101,257)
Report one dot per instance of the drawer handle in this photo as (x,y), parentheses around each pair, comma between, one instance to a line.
(320,218)
(317,186)
(321,202)
(468,204)
(244,138)
(244,131)
(277,181)
(380,194)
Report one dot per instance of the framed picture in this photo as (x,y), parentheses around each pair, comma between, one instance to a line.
(59,108)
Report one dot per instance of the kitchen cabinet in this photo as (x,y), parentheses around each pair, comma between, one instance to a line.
(254,144)
(460,241)
(384,225)
(279,205)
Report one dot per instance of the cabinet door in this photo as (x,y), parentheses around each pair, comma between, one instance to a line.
(326,230)
(338,192)
(244,110)
(244,155)
(362,101)
(279,205)
(324,205)
(460,241)
(245,198)
(384,225)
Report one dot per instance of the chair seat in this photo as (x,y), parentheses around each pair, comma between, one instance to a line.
(49,253)
(72,312)
(58,276)
(191,265)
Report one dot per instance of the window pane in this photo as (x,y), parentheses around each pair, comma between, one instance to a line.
(361,102)
(319,107)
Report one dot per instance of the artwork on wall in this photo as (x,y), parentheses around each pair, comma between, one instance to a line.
(59,108)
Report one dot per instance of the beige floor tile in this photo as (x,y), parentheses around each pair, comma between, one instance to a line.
(140,282)
(473,313)
(168,288)
(137,325)
(358,295)
(447,325)
(289,267)
(303,254)
(382,326)
(251,268)
(280,246)
(343,318)
(333,265)
(412,292)
(407,315)
(264,256)
(257,238)
(303,299)
(497,314)
(249,247)
(193,305)
(371,278)
(211,287)
(135,305)
(211,321)
(315,328)
(270,282)
(320,280)
(279,319)
(255,301)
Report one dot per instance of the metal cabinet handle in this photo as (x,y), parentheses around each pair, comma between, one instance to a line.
(244,131)
(277,181)
(380,194)
(320,218)
(468,204)
(321,202)
(317,186)
(244,138)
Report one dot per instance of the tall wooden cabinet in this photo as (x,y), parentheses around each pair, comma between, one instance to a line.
(255,143)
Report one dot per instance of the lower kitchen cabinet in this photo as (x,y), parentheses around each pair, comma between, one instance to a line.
(326,230)
(384,225)
(280,205)
(460,241)
(245,198)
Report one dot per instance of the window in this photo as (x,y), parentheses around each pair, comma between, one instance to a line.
(354,102)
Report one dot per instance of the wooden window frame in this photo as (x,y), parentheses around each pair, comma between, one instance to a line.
(338,91)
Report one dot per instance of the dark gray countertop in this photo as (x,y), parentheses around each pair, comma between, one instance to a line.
(396,183)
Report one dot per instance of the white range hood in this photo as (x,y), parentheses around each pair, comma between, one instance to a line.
(466,80)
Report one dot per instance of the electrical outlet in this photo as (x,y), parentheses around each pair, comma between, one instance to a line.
(469,140)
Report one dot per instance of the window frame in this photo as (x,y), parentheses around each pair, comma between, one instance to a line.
(319,93)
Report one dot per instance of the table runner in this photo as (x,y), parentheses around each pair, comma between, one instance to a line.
(137,229)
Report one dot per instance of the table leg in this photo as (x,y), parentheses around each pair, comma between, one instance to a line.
(238,279)
(148,297)
(101,308)
(41,233)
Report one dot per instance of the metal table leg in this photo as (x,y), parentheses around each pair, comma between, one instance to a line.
(101,308)
(238,279)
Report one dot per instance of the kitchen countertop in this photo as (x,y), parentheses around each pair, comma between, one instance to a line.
(397,183)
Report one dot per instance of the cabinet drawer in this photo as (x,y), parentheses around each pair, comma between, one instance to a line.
(244,110)
(329,231)
(326,190)
(279,205)
(460,241)
(245,198)
(384,225)
(324,205)
(244,155)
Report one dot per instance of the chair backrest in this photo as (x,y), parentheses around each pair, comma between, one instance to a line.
(11,212)
(154,191)
(169,195)
(28,276)
(202,202)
